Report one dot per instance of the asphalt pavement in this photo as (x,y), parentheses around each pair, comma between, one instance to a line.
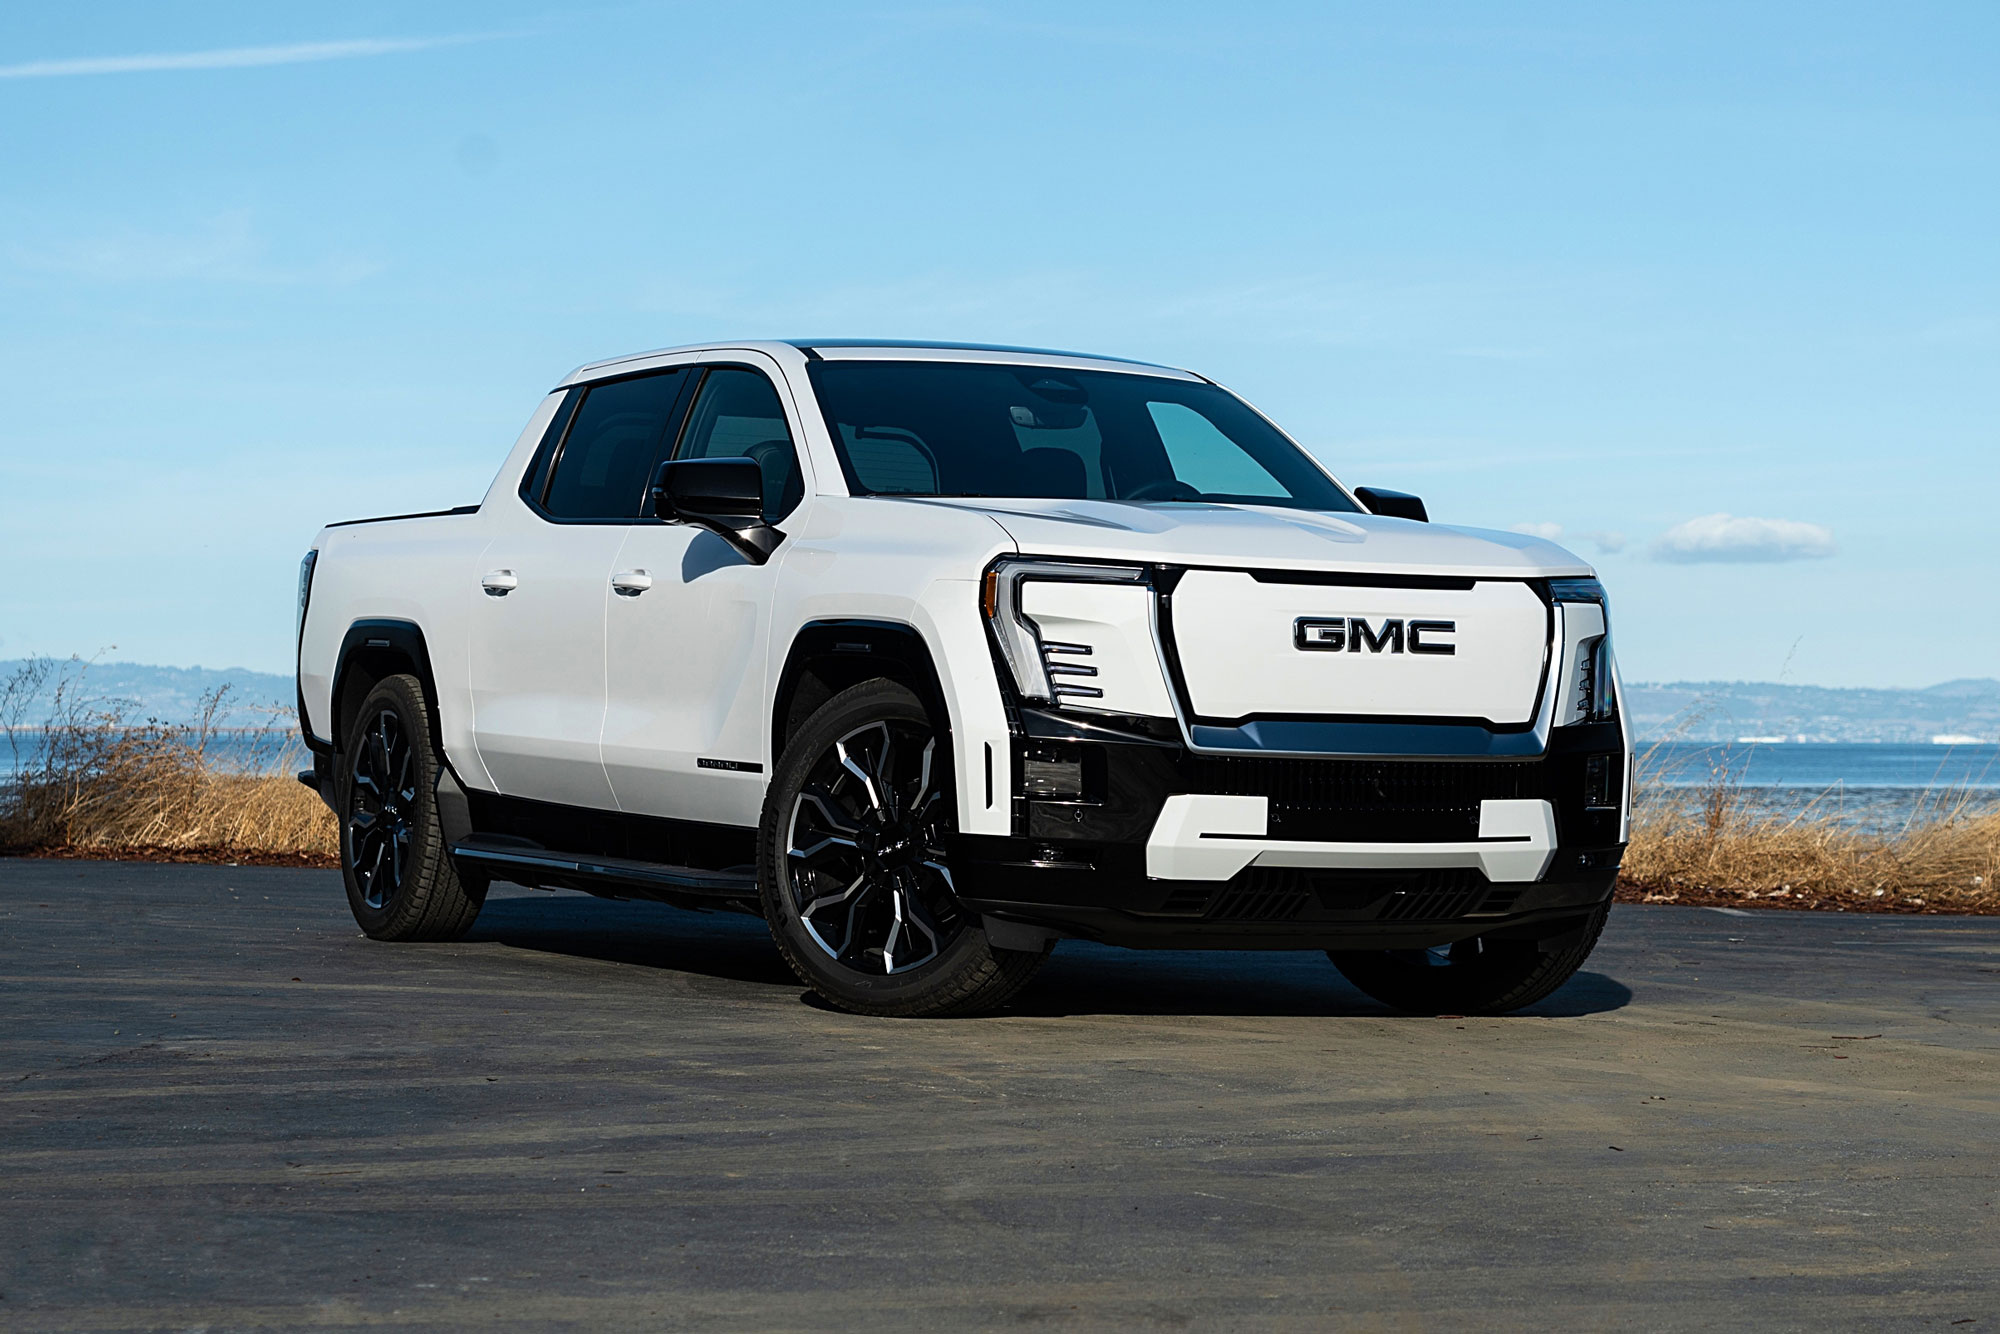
(222,1108)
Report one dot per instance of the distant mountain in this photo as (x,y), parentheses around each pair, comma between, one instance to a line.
(168,694)
(1729,710)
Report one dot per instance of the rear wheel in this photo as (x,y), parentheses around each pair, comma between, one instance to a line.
(1474,976)
(400,879)
(854,866)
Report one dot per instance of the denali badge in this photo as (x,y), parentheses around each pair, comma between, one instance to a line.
(1352,633)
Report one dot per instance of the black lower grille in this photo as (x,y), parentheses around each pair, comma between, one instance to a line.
(1378,801)
(1276,894)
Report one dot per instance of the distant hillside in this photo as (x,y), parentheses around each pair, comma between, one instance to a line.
(170,694)
(1727,710)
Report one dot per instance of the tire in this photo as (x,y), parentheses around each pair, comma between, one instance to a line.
(400,879)
(853,866)
(1475,976)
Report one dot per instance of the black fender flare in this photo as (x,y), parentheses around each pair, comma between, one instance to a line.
(842,651)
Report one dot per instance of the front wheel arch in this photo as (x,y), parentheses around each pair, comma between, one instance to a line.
(829,656)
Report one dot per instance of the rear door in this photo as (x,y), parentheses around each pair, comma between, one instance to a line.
(688,636)
(537,666)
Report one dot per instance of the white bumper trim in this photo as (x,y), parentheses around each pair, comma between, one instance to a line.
(1201,836)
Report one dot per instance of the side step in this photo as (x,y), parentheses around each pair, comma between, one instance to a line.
(522,862)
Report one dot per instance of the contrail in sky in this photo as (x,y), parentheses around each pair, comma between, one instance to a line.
(232,57)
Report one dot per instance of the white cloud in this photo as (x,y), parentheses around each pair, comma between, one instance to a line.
(1551,531)
(233,57)
(1609,542)
(1725,538)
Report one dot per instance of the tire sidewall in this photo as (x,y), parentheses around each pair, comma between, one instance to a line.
(404,696)
(873,701)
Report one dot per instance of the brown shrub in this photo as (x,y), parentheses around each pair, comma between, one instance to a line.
(1945,858)
(87,779)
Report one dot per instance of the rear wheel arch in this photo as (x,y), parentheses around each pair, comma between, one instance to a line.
(372,651)
(829,656)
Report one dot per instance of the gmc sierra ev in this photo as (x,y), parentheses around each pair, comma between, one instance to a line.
(935,655)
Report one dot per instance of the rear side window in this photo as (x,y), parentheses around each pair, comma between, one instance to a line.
(606,460)
(737,415)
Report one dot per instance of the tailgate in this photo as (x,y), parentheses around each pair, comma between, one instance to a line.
(1248,646)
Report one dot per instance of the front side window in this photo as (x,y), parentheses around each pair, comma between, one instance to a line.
(605,463)
(965,429)
(737,415)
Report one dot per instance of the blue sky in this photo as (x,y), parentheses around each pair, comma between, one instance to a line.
(1712,290)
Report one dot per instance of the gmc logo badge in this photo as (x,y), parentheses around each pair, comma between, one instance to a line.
(1351,634)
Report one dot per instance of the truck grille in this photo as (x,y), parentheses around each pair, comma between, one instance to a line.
(1370,801)
(1278,894)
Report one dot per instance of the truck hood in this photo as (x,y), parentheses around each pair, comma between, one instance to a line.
(1265,537)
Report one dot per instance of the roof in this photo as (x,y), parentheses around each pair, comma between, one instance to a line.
(883,349)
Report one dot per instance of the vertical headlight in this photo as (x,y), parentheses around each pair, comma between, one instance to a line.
(1044,671)
(1591,666)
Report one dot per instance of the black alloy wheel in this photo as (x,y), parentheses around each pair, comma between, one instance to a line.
(855,866)
(401,882)
(382,787)
(867,863)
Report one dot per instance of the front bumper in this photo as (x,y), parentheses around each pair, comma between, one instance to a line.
(1167,847)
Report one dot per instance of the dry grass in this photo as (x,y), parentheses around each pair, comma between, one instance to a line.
(90,781)
(97,785)
(1945,858)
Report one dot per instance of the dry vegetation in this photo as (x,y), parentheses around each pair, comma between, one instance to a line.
(1945,858)
(93,784)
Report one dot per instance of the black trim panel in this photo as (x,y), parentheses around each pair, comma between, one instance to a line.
(516,861)
(423,514)
(1429,739)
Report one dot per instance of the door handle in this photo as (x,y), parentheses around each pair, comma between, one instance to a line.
(499,583)
(631,583)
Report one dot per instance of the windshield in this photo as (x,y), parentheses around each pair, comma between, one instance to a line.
(944,428)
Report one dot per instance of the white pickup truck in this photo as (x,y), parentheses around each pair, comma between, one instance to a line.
(934,655)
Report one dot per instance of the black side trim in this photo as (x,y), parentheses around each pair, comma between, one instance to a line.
(514,860)
(423,514)
(614,836)
(733,766)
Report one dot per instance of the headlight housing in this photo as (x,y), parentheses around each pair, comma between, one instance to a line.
(1588,668)
(306,564)
(1045,670)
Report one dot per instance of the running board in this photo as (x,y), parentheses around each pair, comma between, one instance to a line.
(523,863)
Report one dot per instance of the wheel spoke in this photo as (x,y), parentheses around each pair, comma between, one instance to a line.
(865,861)
(867,779)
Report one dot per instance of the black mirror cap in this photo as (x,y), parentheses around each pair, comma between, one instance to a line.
(725,496)
(1395,504)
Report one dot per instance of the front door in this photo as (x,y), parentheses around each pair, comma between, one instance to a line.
(687,634)
(538,614)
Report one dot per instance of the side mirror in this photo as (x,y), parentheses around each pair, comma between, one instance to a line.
(1395,504)
(725,496)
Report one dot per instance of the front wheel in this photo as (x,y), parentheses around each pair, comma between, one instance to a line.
(1473,976)
(855,870)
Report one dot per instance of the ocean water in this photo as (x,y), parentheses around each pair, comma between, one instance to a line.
(1877,787)
(236,749)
